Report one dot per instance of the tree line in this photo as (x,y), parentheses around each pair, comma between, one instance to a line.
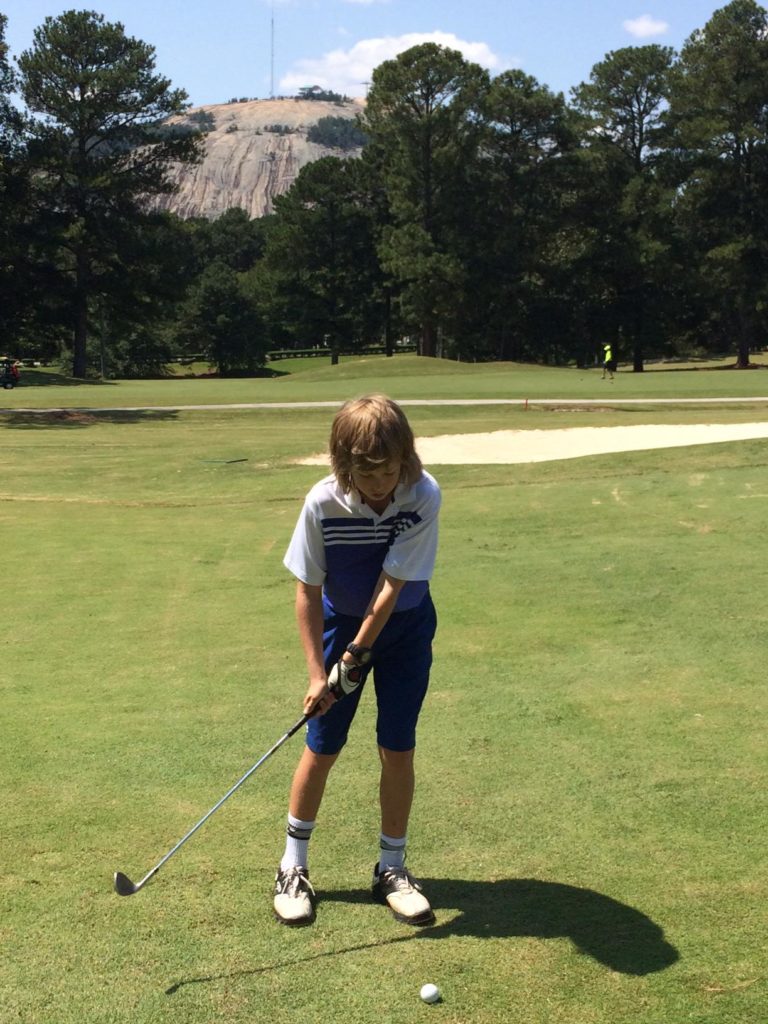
(489,217)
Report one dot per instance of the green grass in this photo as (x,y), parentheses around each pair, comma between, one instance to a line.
(403,376)
(591,805)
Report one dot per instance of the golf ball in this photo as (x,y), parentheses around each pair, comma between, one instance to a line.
(430,993)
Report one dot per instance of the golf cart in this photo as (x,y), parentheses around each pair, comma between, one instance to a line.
(9,372)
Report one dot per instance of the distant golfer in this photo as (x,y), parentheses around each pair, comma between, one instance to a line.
(363,552)
(609,363)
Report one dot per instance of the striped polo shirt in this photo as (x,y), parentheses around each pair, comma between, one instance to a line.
(341,544)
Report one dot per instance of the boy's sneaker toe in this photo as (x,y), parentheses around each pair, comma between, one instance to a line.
(402,893)
(294,895)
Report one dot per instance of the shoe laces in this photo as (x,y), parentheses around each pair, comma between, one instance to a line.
(400,879)
(293,882)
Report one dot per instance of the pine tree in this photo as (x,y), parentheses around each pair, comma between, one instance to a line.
(99,147)
(13,204)
(719,117)
(421,120)
(626,207)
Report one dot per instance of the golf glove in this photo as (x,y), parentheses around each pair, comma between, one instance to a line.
(344,678)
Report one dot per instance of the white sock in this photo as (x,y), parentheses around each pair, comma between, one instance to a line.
(391,852)
(298,833)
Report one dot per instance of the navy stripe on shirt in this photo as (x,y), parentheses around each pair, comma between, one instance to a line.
(355,550)
(347,530)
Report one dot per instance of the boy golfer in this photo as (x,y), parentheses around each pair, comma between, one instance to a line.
(363,552)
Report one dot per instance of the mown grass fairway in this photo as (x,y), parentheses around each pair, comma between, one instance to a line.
(403,376)
(591,807)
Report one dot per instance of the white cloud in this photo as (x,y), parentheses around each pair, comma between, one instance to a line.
(366,3)
(646,26)
(347,71)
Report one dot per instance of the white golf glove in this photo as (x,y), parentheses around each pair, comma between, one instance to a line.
(344,678)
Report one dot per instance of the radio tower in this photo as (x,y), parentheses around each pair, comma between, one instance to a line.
(272,54)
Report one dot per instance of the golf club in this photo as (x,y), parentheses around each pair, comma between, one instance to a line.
(125,887)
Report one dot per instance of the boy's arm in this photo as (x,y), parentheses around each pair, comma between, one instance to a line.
(345,675)
(377,614)
(309,617)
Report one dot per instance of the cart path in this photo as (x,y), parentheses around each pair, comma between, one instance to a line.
(545,402)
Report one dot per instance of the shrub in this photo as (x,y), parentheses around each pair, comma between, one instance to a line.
(337,133)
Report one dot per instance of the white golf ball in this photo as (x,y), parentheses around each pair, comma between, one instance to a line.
(430,993)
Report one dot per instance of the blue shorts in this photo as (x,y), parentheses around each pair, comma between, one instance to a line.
(402,658)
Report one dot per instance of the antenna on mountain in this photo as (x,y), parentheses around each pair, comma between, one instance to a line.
(272,54)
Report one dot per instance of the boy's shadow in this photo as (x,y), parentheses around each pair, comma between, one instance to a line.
(610,932)
(614,934)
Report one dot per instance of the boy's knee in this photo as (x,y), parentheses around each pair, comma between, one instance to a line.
(320,764)
(396,758)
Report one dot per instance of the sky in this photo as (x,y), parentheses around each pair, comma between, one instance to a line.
(217,50)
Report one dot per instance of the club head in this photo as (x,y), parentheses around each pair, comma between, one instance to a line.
(123,885)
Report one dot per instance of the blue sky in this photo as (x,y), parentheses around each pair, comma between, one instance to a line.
(220,49)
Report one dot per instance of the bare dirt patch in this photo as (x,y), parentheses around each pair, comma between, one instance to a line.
(74,416)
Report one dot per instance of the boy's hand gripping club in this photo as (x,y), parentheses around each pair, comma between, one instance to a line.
(344,678)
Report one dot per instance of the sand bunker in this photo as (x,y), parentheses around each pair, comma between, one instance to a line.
(507,446)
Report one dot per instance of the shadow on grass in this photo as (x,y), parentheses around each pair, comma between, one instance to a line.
(702,369)
(55,378)
(79,418)
(252,972)
(616,935)
(612,933)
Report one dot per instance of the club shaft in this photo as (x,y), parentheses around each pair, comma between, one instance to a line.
(294,728)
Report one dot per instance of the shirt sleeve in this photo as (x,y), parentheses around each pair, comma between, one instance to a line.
(413,552)
(305,556)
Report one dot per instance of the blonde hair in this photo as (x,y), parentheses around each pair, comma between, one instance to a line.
(369,432)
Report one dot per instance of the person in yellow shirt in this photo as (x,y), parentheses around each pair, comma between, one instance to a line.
(609,363)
